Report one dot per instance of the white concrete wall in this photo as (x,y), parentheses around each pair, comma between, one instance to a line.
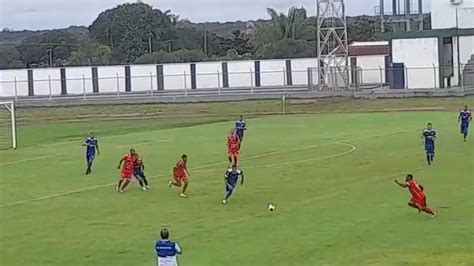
(239,73)
(272,72)
(79,80)
(299,68)
(175,78)
(420,57)
(371,66)
(209,75)
(7,82)
(143,77)
(443,14)
(47,81)
(108,81)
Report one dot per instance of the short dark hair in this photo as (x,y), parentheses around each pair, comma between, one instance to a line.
(184,156)
(132,150)
(409,176)
(165,233)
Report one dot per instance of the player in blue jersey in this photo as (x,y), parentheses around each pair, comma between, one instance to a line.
(92,145)
(139,174)
(230,178)
(429,136)
(240,127)
(465,118)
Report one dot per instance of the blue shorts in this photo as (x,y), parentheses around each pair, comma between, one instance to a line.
(90,156)
(430,149)
(464,128)
(229,185)
(138,173)
(240,135)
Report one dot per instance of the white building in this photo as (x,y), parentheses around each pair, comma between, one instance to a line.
(438,58)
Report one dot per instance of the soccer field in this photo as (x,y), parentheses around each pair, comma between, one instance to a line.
(330,176)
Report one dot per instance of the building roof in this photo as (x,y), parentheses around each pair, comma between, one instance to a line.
(369,48)
(365,49)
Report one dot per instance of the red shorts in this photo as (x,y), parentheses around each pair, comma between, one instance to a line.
(419,201)
(180,176)
(126,174)
(233,151)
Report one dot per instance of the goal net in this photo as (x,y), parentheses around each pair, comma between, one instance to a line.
(7,126)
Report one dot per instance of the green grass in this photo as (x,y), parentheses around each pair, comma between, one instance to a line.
(330,176)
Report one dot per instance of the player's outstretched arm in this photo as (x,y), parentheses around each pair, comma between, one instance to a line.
(400,184)
(120,163)
(97,147)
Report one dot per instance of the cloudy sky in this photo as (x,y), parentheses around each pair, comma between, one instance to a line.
(49,14)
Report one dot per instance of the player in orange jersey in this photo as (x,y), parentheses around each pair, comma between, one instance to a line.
(129,161)
(233,145)
(180,175)
(418,198)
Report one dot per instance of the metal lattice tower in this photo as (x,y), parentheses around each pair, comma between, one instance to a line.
(332,43)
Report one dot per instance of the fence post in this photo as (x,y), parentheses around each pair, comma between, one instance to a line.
(151,84)
(185,85)
(434,76)
(83,87)
(405,69)
(49,87)
(283,104)
(381,78)
(16,90)
(461,76)
(284,80)
(251,81)
(118,86)
(219,82)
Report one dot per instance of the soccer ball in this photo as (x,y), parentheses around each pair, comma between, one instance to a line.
(271,207)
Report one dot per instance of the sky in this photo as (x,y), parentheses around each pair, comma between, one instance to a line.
(53,14)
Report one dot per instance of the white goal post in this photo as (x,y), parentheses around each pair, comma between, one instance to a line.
(8,137)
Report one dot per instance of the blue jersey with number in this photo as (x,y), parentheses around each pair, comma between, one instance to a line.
(429,136)
(465,117)
(232,176)
(91,145)
(240,127)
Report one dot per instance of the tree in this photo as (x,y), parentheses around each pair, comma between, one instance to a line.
(292,26)
(157,58)
(287,48)
(232,54)
(129,29)
(186,55)
(38,49)
(10,57)
(91,53)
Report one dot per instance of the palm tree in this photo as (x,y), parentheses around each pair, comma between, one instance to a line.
(295,25)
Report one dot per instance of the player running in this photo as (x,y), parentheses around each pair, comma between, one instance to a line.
(429,136)
(139,174)
(233,145)
(129,161)
(230,179)
(464,118)
(180,175)
(418,198)
(92,144)
(240,127)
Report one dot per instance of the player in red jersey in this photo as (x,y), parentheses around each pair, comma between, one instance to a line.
(129,161)
(418,198)
(180,175)
(233,145)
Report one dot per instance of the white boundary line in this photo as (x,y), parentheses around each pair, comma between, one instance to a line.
(202,168)
(31,159)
